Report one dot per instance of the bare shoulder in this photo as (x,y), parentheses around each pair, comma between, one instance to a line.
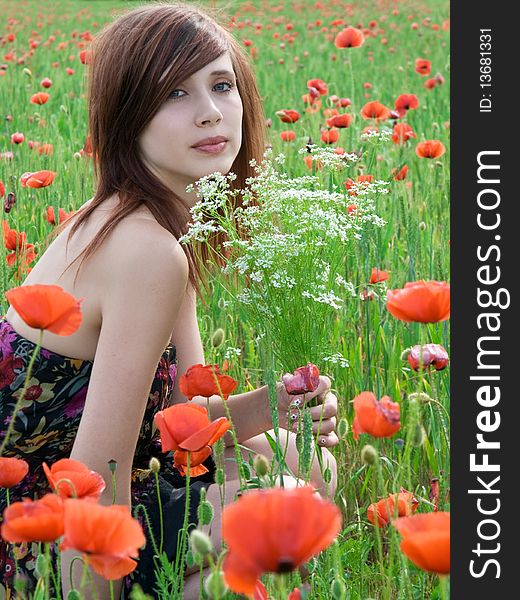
(143,250)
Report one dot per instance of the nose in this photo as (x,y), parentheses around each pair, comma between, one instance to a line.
(209,114)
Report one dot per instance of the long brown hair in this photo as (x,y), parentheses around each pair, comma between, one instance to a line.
(128,59)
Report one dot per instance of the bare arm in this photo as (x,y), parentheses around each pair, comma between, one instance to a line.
(139,309)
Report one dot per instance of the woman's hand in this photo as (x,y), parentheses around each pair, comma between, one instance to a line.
(325,411)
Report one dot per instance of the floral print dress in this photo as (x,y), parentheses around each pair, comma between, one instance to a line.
(45,429)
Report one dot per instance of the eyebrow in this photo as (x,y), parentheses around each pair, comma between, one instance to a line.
(222,72)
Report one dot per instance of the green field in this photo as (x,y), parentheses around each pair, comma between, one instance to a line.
(291,43)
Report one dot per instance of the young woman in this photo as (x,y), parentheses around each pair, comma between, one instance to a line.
(171,98)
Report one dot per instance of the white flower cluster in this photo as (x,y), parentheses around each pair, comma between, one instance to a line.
(337,359)
(287,237)
(230,352)
(380,135)
(328,158)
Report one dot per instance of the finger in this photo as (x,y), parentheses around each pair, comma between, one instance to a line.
(324,411)
(325,427)
(328,441)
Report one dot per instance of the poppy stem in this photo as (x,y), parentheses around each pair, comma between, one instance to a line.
(21,397)
(111,587)
(159,502)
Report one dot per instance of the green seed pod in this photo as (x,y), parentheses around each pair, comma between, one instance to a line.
(112,465)
(422,225)
(369,454)
(343,428)
(261,465)
(190,559)
(205,512)
(73,595)
(338,589)
(217,339)
(214,585)
(222,303)
(219,476)
(200,543)
(42,565)
(154,465)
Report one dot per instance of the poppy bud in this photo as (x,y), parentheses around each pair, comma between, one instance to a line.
(219,477)
(205,512)
(422,225)
(338,589)
(73,595)
(214,585)
(420,397)
(200,543)
(217,339)
(261,465)
(27,72)
(369,454)
(418,436)
(154,465)
(42,566)
(343,428)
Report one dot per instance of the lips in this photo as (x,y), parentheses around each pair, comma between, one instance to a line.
(211,141)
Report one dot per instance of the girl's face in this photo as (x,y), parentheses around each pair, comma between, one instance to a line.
(206,105)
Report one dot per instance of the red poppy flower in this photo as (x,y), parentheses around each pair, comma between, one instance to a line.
(46,82)
(87,484)
(339,121)
(396,505)
(206,380)
(288,136)
(186,428)
(378,275)
(423,66)
(430,149)
(288,116)
(17,138)
(62,215)
(107,535)
(46,307)
(304,379)
(426,540)
(406,102)
(380,419)
(12,471)
(402,133)
(33,521)
(85,57)
(47,149)
(400,174)
(429,355)
(420,302)
(275,530)
(349,38)
(37,180)
(375,110)
(40,98)
(2,189)
(318,85)
(330,136)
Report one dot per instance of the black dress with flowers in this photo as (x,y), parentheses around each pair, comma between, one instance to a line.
(45,429)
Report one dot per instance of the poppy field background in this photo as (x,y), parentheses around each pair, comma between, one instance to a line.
(290,44)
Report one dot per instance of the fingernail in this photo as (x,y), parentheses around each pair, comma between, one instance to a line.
(322,440)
